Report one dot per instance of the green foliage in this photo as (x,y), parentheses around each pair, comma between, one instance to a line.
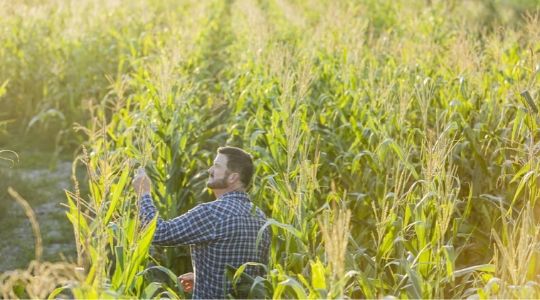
(406,116)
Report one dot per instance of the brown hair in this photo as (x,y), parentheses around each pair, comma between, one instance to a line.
(239,161)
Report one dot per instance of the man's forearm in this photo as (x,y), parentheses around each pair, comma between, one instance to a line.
(195,226)
(164,234)
(147,209)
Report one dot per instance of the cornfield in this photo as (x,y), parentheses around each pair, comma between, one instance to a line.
(395,141)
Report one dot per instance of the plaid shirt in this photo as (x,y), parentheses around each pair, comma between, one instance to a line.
(222,232)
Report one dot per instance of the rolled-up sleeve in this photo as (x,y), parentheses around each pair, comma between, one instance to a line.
(195,226)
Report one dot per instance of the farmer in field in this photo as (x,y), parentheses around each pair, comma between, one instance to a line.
(222,232)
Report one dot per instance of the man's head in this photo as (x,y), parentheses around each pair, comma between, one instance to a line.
(232,169)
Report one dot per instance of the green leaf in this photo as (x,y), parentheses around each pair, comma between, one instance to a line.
(414,287)
(139,252)
(450,257)
(45,116)
(117,192)
(260,289)
(366,286)
(522,184)
(395,147)
(163,269)
(292,283)
(57,291)
(286,227)
(150,290)
(318,277)
(490,268)
(387,243)
(3,88)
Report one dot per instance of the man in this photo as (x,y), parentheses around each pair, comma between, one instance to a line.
(222,232)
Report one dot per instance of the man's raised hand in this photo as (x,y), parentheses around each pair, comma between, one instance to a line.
(141,182)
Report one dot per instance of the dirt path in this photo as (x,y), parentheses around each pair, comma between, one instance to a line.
(43,188)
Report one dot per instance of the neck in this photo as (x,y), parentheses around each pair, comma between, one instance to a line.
(234,188)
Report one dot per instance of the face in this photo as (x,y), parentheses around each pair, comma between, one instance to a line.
(218,174)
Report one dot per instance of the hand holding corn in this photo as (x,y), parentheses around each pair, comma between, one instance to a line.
(141,182)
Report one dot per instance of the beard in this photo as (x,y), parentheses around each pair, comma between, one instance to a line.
(220,183)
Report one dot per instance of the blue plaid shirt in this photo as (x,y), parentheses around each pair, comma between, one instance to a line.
(222,232)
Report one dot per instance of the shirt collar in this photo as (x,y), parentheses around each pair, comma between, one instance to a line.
(235,195)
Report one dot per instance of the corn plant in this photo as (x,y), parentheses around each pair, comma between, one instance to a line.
(395,142)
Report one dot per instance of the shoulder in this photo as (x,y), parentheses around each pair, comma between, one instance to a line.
(204,210)
(217,208)
(217,205)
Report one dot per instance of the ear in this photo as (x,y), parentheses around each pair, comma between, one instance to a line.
(234,177)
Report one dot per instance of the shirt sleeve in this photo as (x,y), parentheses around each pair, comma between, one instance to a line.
(195,226)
